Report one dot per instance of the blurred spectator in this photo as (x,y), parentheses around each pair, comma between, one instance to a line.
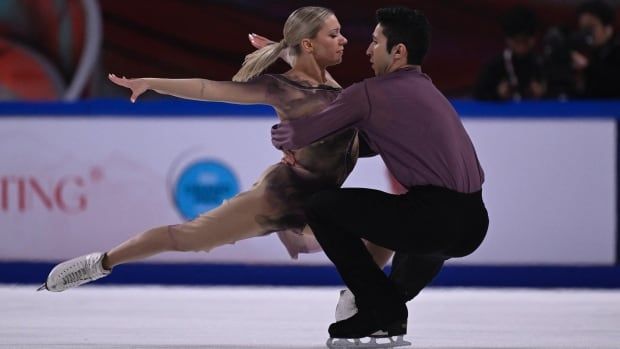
(516,73)
(559,44)
(597,66)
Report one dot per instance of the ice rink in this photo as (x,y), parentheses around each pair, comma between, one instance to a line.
(297,318)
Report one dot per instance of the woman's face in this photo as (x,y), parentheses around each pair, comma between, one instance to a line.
(328,44)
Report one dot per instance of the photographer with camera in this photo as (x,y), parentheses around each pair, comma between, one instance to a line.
(517,72)
(597,68)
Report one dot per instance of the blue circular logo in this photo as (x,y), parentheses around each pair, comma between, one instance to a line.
(202,186)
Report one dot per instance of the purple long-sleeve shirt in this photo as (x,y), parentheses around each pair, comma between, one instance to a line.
(407,121)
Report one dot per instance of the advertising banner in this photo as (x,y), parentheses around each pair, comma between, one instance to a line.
(70,186)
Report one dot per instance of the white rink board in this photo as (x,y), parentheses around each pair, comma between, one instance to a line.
(88,184)
(550,190)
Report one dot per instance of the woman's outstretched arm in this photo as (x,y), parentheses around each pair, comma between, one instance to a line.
(251,92)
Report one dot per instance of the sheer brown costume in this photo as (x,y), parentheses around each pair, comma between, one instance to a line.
(275,201)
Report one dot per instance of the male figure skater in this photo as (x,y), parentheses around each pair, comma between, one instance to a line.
(404,118)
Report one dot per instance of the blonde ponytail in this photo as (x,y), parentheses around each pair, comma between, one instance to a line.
(258,61)
(304,22)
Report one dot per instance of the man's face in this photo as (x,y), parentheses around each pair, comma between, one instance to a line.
(600,33)
(380,59)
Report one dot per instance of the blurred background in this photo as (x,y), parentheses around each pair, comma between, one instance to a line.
(82,169)
(63,49)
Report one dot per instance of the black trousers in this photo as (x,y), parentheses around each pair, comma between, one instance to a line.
(425,227)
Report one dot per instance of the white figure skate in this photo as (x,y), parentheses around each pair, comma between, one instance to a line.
(75,272)
(345,309)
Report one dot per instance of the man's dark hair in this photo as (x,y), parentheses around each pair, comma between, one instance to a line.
(600,10)
(519,21)
(402,25)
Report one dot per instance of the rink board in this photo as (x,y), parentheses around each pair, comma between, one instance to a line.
(82,177)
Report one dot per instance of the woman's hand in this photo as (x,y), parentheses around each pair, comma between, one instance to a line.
(259,41)
(137,86)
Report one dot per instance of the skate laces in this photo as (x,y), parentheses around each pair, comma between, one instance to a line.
(74,277)
(84,271)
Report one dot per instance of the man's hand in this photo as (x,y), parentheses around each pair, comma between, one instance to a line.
(281,136)
(289,158)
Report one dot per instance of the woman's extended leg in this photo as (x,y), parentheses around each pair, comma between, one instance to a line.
(232,221)
(236,219)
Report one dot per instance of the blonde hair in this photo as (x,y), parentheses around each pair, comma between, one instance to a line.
(305,22)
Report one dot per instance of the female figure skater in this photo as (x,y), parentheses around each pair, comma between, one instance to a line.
(274,204)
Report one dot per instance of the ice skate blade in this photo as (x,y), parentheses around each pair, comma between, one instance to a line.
(367,343)
(42,287)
